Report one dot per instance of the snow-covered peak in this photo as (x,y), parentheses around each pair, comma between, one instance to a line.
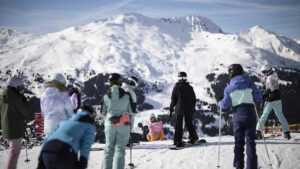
(195,23)
(272,42)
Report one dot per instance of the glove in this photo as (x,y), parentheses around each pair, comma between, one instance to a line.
(220,98)
(171,112)
(82,163)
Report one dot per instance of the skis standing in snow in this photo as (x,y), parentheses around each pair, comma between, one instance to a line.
(75,94)
(156,131)
(55,103)
(69,145)
(14,109)
(273,101)
(116,108)
(240,94)
(184,101)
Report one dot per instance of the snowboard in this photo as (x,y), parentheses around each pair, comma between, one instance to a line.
(187,145)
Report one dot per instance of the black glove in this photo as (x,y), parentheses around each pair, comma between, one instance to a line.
(220,98)
(171,112)
(82,163)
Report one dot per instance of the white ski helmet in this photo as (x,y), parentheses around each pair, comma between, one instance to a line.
(266,69)
(78,84)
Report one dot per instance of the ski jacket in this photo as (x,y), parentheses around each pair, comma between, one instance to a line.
(14,109)
(78,132)
(55,106)
(155,127)
(240,94)
(75,98)
(115,105)
(183,98)
(272,88)
(129,89)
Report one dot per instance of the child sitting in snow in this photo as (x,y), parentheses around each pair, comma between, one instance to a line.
(155,130)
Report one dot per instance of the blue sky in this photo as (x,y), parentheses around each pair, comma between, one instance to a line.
(45,16)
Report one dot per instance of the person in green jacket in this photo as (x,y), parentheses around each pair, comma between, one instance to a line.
(116,107)
(14,109)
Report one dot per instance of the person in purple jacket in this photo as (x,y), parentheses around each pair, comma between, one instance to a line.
(75,94)
(240,94)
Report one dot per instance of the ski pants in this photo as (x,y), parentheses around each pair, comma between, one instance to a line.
(14,152)
(116,139)
(189,125)
(241,131)
(277,106)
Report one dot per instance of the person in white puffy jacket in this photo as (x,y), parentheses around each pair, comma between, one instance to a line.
(273,102)
(55,103)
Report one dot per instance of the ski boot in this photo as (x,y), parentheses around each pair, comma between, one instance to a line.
(287,135)
(180,144)
(258,135)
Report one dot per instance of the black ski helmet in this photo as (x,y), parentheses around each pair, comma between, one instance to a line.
(235,69)
(89,109)
(182,76)
(133,81)
(114,79)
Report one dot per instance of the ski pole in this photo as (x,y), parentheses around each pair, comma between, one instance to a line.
(27,139)
(220,118)
(262,133)
(131,165)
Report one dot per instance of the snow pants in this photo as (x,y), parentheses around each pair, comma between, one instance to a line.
(189,125)
(116,139)
(277,106)
(14,152)
(241,131)
(57,155)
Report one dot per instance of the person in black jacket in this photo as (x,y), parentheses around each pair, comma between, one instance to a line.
(184,101)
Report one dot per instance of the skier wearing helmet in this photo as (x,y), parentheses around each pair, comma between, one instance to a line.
(240,95)
(272,102)
(184,101)
(75,94)
(116,108)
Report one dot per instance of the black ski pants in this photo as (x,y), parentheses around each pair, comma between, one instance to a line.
(189,125)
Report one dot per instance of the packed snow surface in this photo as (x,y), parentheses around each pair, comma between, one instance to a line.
(283,154)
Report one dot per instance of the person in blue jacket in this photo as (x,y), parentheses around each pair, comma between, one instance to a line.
(240,94)
(68,147)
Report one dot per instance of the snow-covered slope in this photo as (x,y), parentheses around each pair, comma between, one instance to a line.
(155,49)
(283,155)
(272,42)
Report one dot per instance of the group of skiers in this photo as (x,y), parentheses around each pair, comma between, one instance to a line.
(241,95)
(70,126)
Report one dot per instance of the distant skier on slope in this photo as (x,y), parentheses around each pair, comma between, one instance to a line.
(69,145)
(240,94)
(184,101)
(75,94)
(273,101)
(156,131)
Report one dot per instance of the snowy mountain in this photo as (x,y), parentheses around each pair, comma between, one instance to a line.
(154,50)
(272,42)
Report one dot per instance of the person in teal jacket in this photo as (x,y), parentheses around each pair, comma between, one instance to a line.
(116,107)
(70,143)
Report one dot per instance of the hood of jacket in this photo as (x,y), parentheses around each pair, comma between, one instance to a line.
(56,84)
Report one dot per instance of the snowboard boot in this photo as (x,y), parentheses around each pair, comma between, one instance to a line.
(180,144)
(287,135)
(258,135)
